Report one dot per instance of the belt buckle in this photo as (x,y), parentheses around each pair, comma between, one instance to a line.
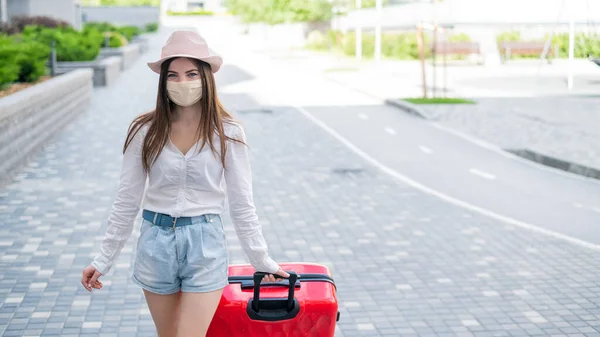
(174,222)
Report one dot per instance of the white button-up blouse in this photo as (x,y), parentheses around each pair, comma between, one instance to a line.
(187,185)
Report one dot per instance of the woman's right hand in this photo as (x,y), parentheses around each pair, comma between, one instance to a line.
(89,278)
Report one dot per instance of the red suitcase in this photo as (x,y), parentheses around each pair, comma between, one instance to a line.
(303,306)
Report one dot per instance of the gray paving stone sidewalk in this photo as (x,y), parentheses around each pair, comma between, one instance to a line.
(406,263)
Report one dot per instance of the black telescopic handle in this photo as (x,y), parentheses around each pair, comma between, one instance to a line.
(258,276)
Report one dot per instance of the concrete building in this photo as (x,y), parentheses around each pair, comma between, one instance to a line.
(67,10)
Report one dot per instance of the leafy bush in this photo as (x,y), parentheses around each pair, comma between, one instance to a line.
(509,37)
(6,28)
(460,37)
(71,45)
(400,46)
(151,27)
(129,31)
(281,11)
(20,22)
(368,3)
(104,27)
(32,58)
(586,45)
(9,68)
(23,61)
(196,12)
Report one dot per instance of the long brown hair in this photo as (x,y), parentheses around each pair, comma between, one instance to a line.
(213,114)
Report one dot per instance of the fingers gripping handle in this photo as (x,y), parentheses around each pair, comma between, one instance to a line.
(258,276)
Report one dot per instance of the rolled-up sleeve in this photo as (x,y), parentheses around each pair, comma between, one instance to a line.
(126,205)
(238,178)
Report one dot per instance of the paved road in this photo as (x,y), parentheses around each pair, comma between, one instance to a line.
(406,263)
(468,172)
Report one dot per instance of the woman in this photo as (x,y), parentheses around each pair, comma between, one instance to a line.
(186,148)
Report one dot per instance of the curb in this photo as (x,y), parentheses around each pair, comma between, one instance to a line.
(540,158)
(557,163)
(408,107)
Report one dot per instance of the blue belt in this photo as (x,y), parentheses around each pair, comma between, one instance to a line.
(160,219)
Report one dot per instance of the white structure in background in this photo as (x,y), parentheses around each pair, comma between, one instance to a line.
(483,20)
(3,14)
(67,10)
(358,33)
(191,5)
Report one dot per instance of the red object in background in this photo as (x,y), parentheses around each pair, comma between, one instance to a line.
(311,311)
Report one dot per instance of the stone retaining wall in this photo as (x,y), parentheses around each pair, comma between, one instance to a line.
(106,71)
(29,118)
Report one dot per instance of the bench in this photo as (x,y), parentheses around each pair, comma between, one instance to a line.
(456,48)
(509,48)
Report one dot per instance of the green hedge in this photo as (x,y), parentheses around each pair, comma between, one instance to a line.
(197,12)
(586,45)
(399,46)
(129,32)
(22,61)
(151,27)
(71,45)
(281,11)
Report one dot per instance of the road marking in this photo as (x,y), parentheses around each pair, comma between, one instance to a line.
(425,149)
(447,198)
(482,174)
(506,154)
(390,131)
(363,116)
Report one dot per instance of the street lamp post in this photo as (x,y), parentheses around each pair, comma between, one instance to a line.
(571,46)
(378,6)
(358,30)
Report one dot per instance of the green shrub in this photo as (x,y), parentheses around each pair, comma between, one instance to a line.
(460,37)
(23,61)
(9,68)
(281,11)
(32,58)
(586,45)
(151,27)
(196,12)
(400,46)
(509,37)
(129,31)
(71,45)
(102,27)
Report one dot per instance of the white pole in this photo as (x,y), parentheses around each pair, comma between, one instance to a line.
(571,47)
(4,18)
(378,6)
(358,30)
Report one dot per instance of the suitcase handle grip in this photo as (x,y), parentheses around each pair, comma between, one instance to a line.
(258,276)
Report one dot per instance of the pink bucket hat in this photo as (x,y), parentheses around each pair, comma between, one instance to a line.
(184,43)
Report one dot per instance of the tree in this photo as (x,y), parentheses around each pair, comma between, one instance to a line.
(281,11)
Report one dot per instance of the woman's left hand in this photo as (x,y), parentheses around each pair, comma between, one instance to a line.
(271,277)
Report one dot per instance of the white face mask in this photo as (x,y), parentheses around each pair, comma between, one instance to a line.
(184,93)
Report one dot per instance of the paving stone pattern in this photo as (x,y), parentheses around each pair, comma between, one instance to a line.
(406,263)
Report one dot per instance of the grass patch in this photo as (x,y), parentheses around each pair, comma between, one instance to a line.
(438,100)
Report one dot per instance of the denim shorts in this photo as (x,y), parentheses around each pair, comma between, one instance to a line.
(190,258)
